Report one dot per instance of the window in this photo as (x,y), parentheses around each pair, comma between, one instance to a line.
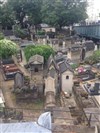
(36,70)
(67,77)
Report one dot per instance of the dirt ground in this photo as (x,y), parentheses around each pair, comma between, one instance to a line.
(31,110)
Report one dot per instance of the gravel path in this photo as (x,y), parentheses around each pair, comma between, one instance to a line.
(6,89)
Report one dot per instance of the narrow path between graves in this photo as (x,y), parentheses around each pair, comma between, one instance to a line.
(6,89)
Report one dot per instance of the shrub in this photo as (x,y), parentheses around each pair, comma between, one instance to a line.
(1,36)
(74,66)
(40,32)
(7,48)
(95,58)
(21,33)
(43,50)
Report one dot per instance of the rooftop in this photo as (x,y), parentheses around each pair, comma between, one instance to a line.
(36,59)
(64,66)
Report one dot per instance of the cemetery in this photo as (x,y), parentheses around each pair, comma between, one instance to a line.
(43,61)
(45,67)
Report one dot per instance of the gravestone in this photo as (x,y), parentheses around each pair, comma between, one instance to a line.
(18,80)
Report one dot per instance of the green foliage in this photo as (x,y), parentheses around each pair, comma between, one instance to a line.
(40,32)
(57,13)
(43,50)
(95,58)
(1,36)
(21,33)
(27,78)
(61,13)
(7,16)
(74,66)
(30,7)
(7,48)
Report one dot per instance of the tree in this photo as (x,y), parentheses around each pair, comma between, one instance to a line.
(57,13)
(6,16)
(7,48)
(63,12)
(43,50)
(31,8)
